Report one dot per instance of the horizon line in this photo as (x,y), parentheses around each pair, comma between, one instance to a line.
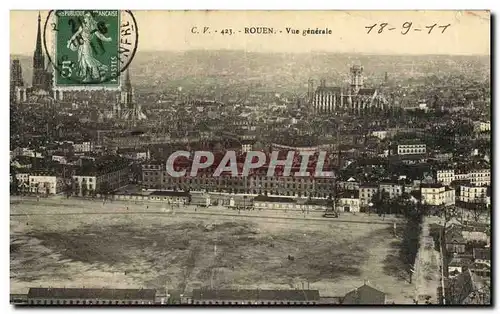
(304,52)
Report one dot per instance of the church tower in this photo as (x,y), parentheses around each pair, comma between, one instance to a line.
(356,78)
(39,74)
(127,94)
(17,89)
(126,108)
(310,91)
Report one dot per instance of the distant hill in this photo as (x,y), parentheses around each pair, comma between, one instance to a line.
(156,71)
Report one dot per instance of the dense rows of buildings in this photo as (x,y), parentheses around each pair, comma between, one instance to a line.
(436,152)
(364,294)
(467,256)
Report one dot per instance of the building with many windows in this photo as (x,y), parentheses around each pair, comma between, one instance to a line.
(46,184)
(253,297)
(437,194)
(288,203)
(87,296)
(411,149)
(473,194)
(393,189)
(348,201)
(102,176)
(155,176)
(480,177)
(445,176)
(366,193)
(481,126)
(477,177)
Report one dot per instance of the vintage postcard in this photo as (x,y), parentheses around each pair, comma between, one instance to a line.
(264,158)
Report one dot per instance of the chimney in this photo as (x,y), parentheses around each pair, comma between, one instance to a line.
(323,82)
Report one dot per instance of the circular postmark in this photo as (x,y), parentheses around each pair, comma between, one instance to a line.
(90,48)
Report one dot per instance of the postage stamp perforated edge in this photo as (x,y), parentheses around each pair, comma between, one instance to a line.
(82,86)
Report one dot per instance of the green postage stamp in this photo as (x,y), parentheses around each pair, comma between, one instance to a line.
(91,47)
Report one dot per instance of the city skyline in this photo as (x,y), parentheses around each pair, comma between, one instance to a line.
(470,36)
(241,174)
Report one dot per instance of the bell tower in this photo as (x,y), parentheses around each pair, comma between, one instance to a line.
(356,78)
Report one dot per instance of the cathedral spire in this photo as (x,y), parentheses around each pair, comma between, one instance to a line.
(127,86)
(38,60)
(38,48)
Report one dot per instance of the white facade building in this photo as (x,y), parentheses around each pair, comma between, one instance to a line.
(480,177)
(83,147)
(246,147)
(482,126)
(445,176)
(473,194)
(409,149)
(90,183)
(394,190)
(45,184)
(380,134)
(366,193)
(437,194)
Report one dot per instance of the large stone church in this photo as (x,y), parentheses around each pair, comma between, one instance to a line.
(40,90)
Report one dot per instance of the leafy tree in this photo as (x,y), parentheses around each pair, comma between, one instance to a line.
(104,189)
(84,189)
(14,185)
(68,190)
(478,210)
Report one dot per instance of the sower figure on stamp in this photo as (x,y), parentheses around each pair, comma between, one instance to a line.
(89,68)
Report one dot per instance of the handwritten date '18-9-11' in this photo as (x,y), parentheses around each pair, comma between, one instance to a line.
(405,28)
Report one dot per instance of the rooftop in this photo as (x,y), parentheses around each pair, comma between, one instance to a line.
(84,293)
(292,295)
(364,295)
(274,199)
(170,193)
(484,254)
(366,91)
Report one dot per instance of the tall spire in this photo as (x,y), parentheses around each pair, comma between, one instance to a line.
(38,47)
(39,60)
(128,85)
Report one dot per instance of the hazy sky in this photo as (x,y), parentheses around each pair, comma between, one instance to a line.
(469,32)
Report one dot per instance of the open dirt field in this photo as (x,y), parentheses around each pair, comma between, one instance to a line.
(183,252)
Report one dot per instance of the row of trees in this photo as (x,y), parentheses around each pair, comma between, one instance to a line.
(383,204)
(104,190)
(413,216)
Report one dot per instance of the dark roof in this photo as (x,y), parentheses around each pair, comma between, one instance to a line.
(431,185)
(328,89)
(454,235)
(293,295)
(410,142)
(274,199)
(412,156)
(318,202)
(366,91)
(368,185)
(479,253)
(389,182)
(79,293)
(170,193)
(459,262)
(416,194)
(364,295)
(349,194)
